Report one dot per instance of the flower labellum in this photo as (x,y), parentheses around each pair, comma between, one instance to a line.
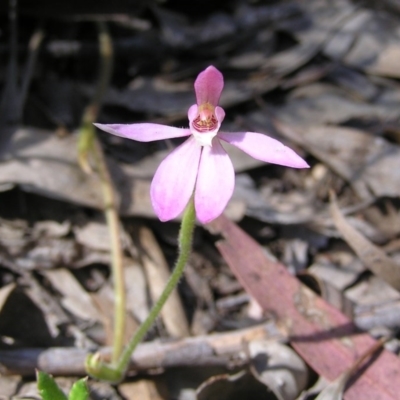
(200,165)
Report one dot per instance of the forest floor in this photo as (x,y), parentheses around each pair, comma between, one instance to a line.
(284,293)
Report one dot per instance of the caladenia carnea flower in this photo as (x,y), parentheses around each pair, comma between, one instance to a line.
(201,165)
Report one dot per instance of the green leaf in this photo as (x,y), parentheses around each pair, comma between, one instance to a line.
(79,390)
(48,388)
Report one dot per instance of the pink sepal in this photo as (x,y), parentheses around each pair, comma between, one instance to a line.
(144,132)
(264,148)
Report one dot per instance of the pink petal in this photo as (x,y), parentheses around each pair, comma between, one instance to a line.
(208,86)
(174,180)
(144,132)
(215,182)
(264,148)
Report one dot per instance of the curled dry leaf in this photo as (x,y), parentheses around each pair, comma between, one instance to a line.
(279,368)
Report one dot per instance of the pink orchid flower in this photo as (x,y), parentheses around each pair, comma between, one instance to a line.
(201,165)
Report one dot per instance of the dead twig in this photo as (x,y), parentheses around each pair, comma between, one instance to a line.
(222,349)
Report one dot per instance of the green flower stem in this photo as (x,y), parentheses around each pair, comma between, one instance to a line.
(115,372)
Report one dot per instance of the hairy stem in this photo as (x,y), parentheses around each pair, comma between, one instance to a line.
(115,372)
(185,247)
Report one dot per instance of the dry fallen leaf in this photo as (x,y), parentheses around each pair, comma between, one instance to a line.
(372,256)
(158,273)
(74,297)
(230,387)
(371,164)
(334,391)
(325,338)
(279,368)
(104,299)
(136,290)
(143,389)
(376,304)
(9,386)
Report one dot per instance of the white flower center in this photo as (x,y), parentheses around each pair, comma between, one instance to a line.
(206,125)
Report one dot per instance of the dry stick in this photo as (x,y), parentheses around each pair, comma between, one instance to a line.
(89,143)
(221,349)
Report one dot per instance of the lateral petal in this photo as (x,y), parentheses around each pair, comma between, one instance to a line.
(215,182)
(264,148)
(208,86)
(144,132)
(174,180)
